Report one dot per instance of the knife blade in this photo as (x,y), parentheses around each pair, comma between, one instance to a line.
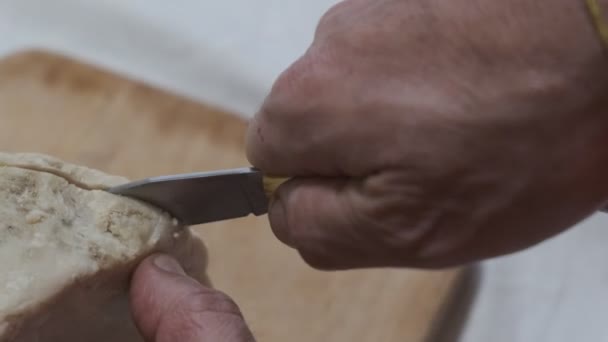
(204,197)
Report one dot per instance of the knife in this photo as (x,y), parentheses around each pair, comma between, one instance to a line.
(204,197)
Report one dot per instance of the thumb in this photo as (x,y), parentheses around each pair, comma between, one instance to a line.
(169,306)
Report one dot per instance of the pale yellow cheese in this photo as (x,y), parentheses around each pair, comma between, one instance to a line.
(68,248)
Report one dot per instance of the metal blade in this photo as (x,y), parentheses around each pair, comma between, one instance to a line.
(204,197)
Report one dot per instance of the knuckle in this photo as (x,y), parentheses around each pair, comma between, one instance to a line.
(301,79)
(203,313)
(301,93)
(206,300)
(333,17)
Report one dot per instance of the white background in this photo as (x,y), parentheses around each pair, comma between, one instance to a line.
(228,52)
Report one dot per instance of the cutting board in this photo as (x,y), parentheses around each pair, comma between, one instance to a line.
(82,114)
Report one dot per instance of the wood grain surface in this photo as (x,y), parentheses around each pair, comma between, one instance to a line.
(88,116)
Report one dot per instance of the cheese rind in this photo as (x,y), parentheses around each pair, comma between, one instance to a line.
(68,248)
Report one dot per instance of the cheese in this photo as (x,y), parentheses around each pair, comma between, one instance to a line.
(68,248)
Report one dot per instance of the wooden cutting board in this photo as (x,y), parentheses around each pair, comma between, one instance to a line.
(88,116)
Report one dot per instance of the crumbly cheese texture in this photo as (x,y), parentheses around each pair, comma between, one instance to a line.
(68,248)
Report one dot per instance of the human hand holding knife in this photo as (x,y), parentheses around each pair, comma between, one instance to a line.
(203,197)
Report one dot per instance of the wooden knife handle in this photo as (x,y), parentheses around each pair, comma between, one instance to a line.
(271,184)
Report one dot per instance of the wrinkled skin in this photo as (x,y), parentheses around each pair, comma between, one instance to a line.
(169,306)
(420,134)
(436,133)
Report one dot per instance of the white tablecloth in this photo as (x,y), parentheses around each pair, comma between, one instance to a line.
(229,52)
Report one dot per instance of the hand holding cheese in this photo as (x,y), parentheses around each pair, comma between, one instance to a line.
(169,306)
(435,133)
(68,249)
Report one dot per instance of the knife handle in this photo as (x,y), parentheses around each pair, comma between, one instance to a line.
(271,184)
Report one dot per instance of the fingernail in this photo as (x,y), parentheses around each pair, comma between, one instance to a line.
(168,264)
(278,220)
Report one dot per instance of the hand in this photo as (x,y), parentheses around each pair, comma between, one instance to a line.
(169,306)
(436,133)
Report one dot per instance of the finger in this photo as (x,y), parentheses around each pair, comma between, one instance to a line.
(169,306)
(311,215)
(384,220)
(333,224)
